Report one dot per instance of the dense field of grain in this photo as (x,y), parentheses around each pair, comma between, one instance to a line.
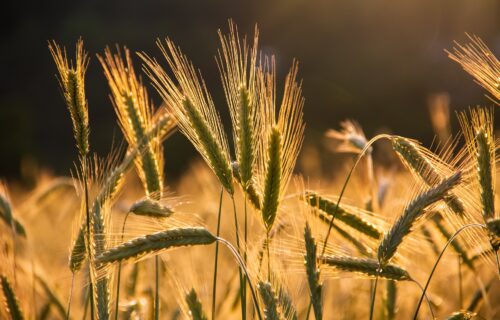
(243,234)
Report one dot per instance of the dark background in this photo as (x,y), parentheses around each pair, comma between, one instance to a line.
(374,61)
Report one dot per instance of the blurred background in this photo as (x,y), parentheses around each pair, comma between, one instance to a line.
(378,62)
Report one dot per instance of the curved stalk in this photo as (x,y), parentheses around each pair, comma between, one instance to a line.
(360,156)
(236,230)
(372,303)
(439,259)
(214,290)
(245,271)
(119,271)
(70,296)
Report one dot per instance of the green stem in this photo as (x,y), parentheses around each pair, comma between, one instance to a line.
(268,257)
(236,229)
(439,259)
(244,301)
(119,271)
(460,289)
(245,271)
(70,295)
(89,254)
(374,293)
(360,156)
(214,290)
(157,293)
(86,307)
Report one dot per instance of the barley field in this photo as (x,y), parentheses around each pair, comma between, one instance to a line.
(245,234)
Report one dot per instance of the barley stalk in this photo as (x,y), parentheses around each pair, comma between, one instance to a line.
(367,267)
(438,222)
(413,211)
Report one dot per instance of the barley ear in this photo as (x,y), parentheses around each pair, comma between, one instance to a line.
(413,211)
(367,267)
(352,220)
(269,299)
(211,148)
(273,179)
(416,159)
(155,243)
(6,214)
(72,82)
(195,307)
(151,208)
(478,60)
(134,111)
(461,315)
(11,301)
(312,271)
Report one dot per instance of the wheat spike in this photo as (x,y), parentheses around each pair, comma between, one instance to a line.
(6,213)
(270,301)
(330,208)
(478,60)
(416,159)
(461,315)
(11,300)
(134,111)
(72,82)
(367,267)
(273,180)
(151,208)
(190,103)
(413,211)
(313,273)
(98,246)
(112,184)
(480,142)
(281,139)
(237,65)
(195,307)
(155,242)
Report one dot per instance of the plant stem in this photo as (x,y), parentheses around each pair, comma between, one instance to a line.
(244,301)
(70,295)
(374,292)
(460,291)
(119,271)
(268,257)
(89,254)
(214,290)
(236,229)
(439,258)
(157,293)
(245,271)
